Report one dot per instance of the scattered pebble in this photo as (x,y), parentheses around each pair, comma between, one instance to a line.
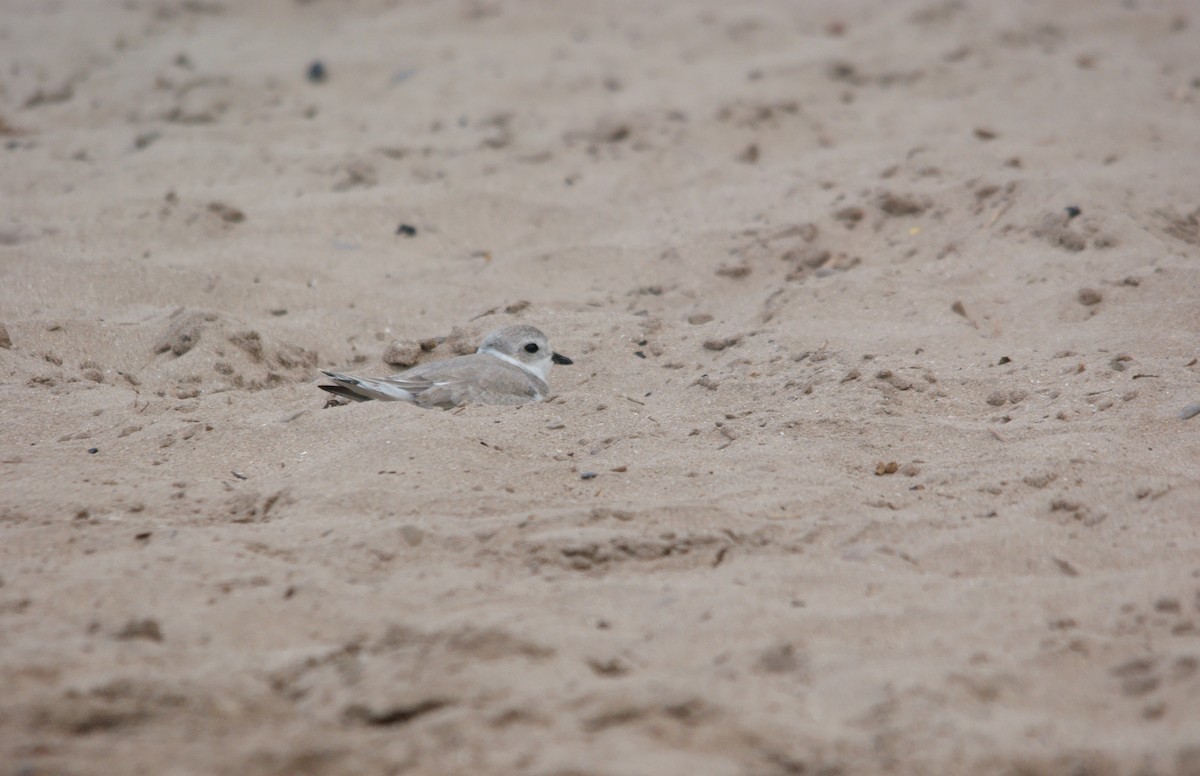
(1189,412)
(357,174)
(779,659)
(407,230)
(850,216)
(1090,296)
(1066,567)
(588,476)
(228,213)
(997,398)
(1054,229)
(736,272)
(1040,479)
(141,629)
(1073,212)
(412,534)
(749,154)
(983,133)
(402,353)
(721,344)
(316,72)
(146,139)
(93,450)
(5,340)
(695,319)
(881,468)
(902,204)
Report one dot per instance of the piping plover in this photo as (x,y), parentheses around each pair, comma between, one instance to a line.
(510,367)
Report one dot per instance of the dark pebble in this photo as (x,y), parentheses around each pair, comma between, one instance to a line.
(1073,212)
(639,354)
(316,72)
(406,230)
(588,476)
(93,450)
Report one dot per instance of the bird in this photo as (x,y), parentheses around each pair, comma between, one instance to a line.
(511,366)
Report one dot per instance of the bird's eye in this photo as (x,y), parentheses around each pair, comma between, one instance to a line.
(531,347)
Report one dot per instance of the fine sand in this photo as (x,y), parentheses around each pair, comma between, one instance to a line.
(874,457)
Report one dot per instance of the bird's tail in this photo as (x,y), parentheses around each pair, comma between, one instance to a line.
(364,388)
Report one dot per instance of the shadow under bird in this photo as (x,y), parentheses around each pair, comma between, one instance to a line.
(512,366)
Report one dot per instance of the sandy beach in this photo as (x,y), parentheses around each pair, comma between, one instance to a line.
(876,456)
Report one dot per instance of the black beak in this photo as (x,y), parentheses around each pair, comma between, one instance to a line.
(559,358)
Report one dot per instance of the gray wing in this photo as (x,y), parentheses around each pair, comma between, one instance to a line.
(365,388)
(473,379)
